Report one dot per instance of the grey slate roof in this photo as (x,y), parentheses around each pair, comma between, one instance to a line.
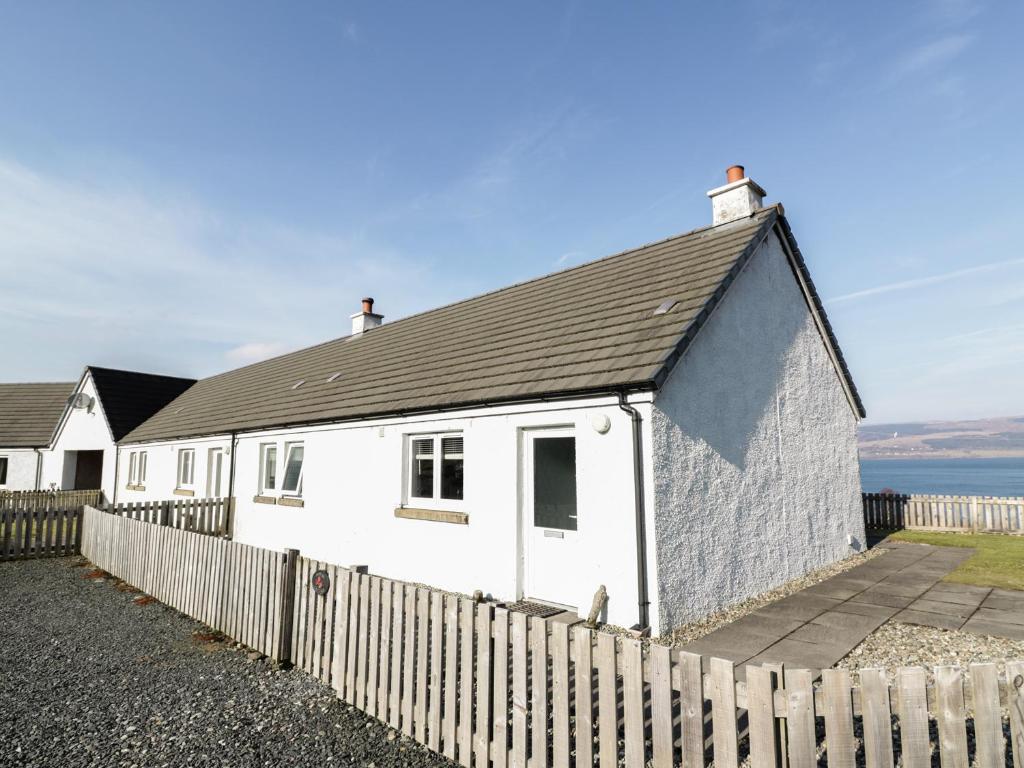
(30,412)
(583,330)
(129,397)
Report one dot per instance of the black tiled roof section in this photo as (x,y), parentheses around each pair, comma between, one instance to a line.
(29,412)
(588,329)
(129,398)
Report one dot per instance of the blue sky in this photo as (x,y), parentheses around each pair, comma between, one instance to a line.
(187,187)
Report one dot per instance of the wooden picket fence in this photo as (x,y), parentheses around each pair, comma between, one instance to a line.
(33,531)
(944,513)
(27,500)
(486,686)
(243,591)
(212,517)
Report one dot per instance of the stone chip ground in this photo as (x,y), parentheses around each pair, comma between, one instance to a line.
(89,678)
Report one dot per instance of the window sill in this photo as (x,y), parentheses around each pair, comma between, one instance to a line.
(433,515)
(290,501)
(135,487)
(264,499)
(184,492)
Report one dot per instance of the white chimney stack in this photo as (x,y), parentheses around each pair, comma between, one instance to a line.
(367,319)
(739,198)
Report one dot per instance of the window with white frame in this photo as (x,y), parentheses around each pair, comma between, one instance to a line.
(268,467)
(3,470)
(186,467)
(137,468)
(291,482)
(436,467)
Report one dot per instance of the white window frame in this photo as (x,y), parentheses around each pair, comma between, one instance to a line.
(434,501)
(295,493)
(265,489)
(211,468)
(183,483)
(136,468)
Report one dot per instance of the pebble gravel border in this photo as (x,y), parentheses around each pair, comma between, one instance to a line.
(895,645)
(88,677)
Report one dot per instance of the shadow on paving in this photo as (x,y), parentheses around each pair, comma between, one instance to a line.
(89,678)
(818,626)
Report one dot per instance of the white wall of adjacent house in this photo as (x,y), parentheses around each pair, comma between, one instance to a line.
(755,451)
(518,539)
(81,430)
(19,474)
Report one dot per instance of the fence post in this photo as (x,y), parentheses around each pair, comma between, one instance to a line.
(287,605)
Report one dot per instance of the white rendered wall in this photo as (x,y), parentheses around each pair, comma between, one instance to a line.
(354,480)
(754,451)
(80,430)
(21,469)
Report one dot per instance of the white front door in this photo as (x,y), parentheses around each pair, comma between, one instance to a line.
(215,473)
(550,537)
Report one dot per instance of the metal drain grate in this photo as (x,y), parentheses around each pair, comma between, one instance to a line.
(534,609)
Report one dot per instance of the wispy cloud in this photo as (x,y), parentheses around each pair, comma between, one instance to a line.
(921,282)
(929,56)
(117,276)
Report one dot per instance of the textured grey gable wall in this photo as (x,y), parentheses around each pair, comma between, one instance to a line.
(754,451)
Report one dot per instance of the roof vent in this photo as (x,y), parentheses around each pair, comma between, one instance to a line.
(333,377)
(665,307)
(739,198)
(367,319)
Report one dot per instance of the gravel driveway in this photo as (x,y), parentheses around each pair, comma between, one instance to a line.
(89,678)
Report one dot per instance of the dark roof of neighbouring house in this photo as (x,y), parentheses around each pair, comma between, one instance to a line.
(588,329)
(129,397)
(30,412)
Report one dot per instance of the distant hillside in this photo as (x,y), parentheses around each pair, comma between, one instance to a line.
(984,438)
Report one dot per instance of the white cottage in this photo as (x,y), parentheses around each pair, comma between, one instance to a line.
(675,422)
(28,417)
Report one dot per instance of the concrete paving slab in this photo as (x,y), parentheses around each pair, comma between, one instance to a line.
(816,627)
(947,609)
(924,619)
(882,598)
(982,626)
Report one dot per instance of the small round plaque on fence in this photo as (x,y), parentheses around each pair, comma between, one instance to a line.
(321,582)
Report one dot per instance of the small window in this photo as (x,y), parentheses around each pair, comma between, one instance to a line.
(186,467)
(142,467)
(451,467)
(427,480)
(133,468)
(3,470)
(292,482)
(423,468)
(268,467)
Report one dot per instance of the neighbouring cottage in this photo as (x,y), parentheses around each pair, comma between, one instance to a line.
(64,436)
(675,422)
(28,416)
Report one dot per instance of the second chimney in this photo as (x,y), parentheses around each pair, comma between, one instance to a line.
(367,319)
(739,198)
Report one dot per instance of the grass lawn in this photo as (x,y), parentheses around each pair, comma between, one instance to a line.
(998,560)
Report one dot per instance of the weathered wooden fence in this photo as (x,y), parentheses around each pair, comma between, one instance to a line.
(885,511)
(49,499)
(33,531)
(210,516)
(244,592)
(489,687)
